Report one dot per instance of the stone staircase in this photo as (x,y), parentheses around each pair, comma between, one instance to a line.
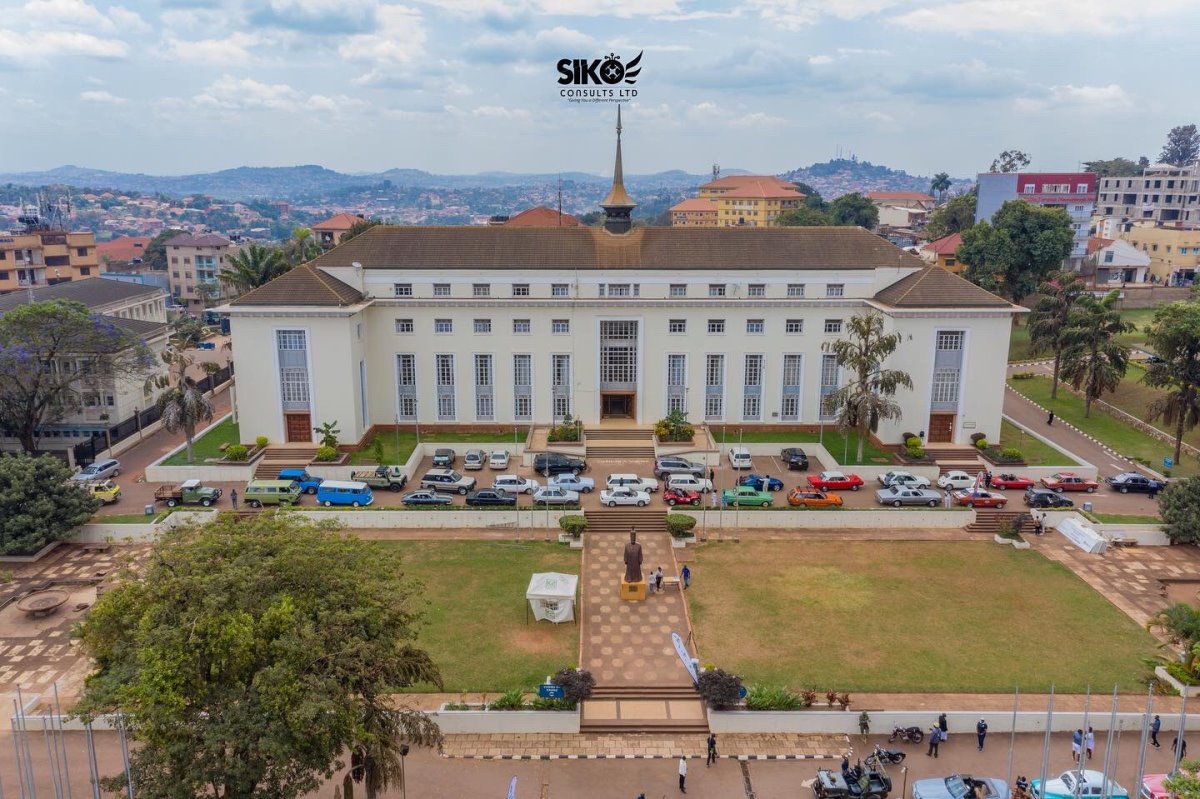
(988,521)
(276,458)
(624,519)
(654,709)
(962,459)
(619,443)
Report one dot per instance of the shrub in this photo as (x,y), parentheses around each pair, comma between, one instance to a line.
(674,427)
(720,688)
(39,503)
(569,430)
(540,703)
(1011,454)
(1022,375)
(326,454)
(981,443)
(764,697)
(808,697)
(977,437)
(261,442)
(377,450)
(904,437)
(830,698)
(573,525)
(1181,673)
(512,700)
(457,706)
(236,452)
(843,700)
(680,525)
(577,684)
(328,432)
(914,448)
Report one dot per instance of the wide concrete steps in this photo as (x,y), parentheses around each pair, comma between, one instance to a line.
(644,709)
(687,691)
(620,452)
(952,453)
(989,522)
(618,434)
(619,443)
(624,519)
(277,458)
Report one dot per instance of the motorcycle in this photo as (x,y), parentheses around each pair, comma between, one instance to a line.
(883,756)
(908,734)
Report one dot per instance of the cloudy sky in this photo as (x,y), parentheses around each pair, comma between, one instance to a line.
(176,86)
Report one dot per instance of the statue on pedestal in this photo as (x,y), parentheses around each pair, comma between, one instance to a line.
(633,560)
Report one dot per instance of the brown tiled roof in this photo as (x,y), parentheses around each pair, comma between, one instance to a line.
(695,204)
(341,221)
(1097,243)
(735,181)
(206,240)
(94,292)
(899,195)
(125,248)
(541,216)
(667,248)
(946,245)
(304,285)
(934,287)
(760,188)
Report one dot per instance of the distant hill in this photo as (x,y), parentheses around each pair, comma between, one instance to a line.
(839,176)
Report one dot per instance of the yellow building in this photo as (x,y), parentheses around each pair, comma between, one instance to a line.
(44,257)
(694,212)
(1174,253)
(738,201)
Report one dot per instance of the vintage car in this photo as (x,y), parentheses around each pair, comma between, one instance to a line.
(572,482)
(555,495)
(1072,784)
(1010,481)
(835,481)
(978,498)
(1132,481)
(647,484)
(443,457)
(956,480)
(761,482)
(106,491)
(807,498)
(1069,481)
(960,786)
(902,495)
(869,784)
(1045,498)
(746,496)
(681,496)
(498,459)
(491,496)
(514,484)
(426,496)
(794,458)
(897,478)
(624,495)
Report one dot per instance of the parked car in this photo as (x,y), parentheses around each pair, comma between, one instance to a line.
(447,480)
(99,470)
(572,482)
(498,459)
(444,457)
(1045,498)
(1009,481)
(748,496)
(689,482)
(393,478)
(1069,481)
(647,484)
(805,498)
(624,495)
(794,458)
(978,498)
(555,495)
(956,480)
(425,496)
(308,484)
(1153,788)
(681,496)
(271,492)
(1073,784)
(960,786)
(106,491)
(473,459)
(189,492)
(761,482)
(1132,481)
(556,463)
(902,495)
(491,496)
(514,484)
(739,458)
(673,465)
(898,478)
(345,492)
(835,481)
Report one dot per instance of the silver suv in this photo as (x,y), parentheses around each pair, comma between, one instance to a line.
(672,465)
(447,480)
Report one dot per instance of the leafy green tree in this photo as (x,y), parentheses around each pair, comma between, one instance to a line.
(1185,782)
(250,654)
(38,503)
(940,184)
(1182,147)
(1052,316)
(867,398)
(854,209)
(187,332)
(1010,161)
(812,197)
(804,216)
(1179,506)
(1180,623)
(183,405)
(51,354)
(253,266)
(1113,167)
(1174,335)
(1093,360)
(301,247)
(365,224)
(155,254)
(1017,249)
(954,216)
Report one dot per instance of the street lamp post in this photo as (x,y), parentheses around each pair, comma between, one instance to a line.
(404,750)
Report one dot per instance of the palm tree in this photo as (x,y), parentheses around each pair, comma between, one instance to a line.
(253,266)
(301,247)
(1094,360)
(867,399)
(183,405)
(940,184)
(1181,625)
(1051,316)
(1174,334)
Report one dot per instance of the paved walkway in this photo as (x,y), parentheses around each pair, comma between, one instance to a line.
(547,746)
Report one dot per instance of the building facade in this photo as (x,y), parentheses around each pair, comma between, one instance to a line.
(44,257)
(738,201)
(1074,192)
(194,265)
(329,233)
(1116,261)
(694,212)
(944,252)
(1164,194)
(1174,253)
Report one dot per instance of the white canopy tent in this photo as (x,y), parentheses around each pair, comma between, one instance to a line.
(552,596)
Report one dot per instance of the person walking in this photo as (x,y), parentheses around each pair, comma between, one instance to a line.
(1091,742)
(686,575)
(981,732)
(233,497)
(935,738)
(682,774)
(1076,744)
(658,578)
(712,749)
(1180,745)
(1155,726)
(1050,419)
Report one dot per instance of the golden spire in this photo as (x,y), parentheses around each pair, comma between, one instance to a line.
(617,197)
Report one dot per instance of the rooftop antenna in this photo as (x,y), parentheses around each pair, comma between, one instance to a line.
(716,169)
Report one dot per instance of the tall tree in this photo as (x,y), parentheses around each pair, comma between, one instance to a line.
(155,254)
(812,197)
(1174,335)
(183,405)
(868,398)
(954,216)
(39,503)
(258,695)
(854,209)
(1010,161)
(940,185)
(301,247)
(804,216)
(1179,506)
(1022,244)
(1052,316)
(253,266)
(1113,168)
(1182,147)
(1093,360)
(54,353)
(367,224)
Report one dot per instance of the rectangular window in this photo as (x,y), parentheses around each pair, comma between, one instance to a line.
(481,290)
(677,326)
(406,385)
(793,326)
(756,290)
(520,325)
(84,271)
(752,379)
(716,325)
(444,369)
(676,383)
(677,290)
(443,325)
(950,340)
(714,386)
(716,289)
(293,385)
(485,405)
(754,326)
(795,290)
(404,325)
(835,290)
(520,289)
(945,386)
(402,289)
(1081,188)
(829,384)
(559,290)
(523,386)
(560,376)
(560,326)
(833,325)
(483,325)
(441,289)
(789,409)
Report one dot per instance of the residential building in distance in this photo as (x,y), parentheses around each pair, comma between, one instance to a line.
(1165,194)
(194,264)
(541,216)
(122,252)
(942,252)
(1174,253)
(1116,261)
(694,212)
(1074,192)
(738,201)
(329,233)
(43,252)
(902,209)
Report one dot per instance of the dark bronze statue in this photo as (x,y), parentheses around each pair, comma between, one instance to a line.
(633,560)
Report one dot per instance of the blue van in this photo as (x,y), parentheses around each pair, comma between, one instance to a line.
(344,492)
(308,484)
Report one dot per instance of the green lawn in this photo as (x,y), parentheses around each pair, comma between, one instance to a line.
(1036,452)
(208,445)
(1018,342)
(833,440)
(398,447)
(907,617)
(127,518)
(1117,518)
(476,630)
(1116,434)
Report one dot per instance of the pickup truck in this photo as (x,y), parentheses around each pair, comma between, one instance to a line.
(392,478)
(189,492)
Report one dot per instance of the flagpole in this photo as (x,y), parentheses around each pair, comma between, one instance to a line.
(1179,735)
(1046,741)
(1145,737)
(1112,728)
(1012,740)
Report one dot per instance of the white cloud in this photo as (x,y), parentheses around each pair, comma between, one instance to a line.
(230,93)
(1101,98)
(35,47)
(398,39)
(796,14)
(756,119)
(500,112)
(101,97)
(820,60)
(232,50)
(610,8)
(72,13)
(1079,17)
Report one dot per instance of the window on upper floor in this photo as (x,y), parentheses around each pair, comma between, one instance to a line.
(481,290)
(402,289)
(443,325)
(716,325)
(794,326)
(754,326)
(677,326)
(441,289)
(795,290)
(677,290)
(404,325)
(483,326)
(835,290)
(520,325)
(560,326)
(716,289)
(559,290)
(833,325)
(520,289)
(756,290)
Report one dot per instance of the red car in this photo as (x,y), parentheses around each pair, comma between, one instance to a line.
(1010,481)
(1069,481)
(835,481)
(978,498)
(681,496)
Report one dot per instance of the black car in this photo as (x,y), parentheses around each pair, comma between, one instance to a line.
(1132,481)
(1045,498)
(490,496)
(554,463)
(795,459)
(426,496)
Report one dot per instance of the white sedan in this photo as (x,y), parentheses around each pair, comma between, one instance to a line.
(648,484)
(554,495)
(514,484)
(625,496)
(956,480)
(498,459)
(572,482)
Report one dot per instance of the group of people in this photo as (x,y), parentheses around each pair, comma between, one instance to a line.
(940,731)
(655,582)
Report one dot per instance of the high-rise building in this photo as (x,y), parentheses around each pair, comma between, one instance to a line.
(1074,192)
(194,265)
(1163,193)
(44,252)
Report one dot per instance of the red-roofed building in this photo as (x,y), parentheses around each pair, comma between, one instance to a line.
(330,232)
(694,212)
(902,199)
(942,252)
(541,216)
(123,251)
(746,201)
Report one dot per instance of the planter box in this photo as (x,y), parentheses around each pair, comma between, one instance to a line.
(506,722)
(1184,690)
(680,542)
(999,539)
(341,460)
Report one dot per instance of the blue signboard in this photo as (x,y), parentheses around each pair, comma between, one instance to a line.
(1168,463)
(681,650)
(549,690)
